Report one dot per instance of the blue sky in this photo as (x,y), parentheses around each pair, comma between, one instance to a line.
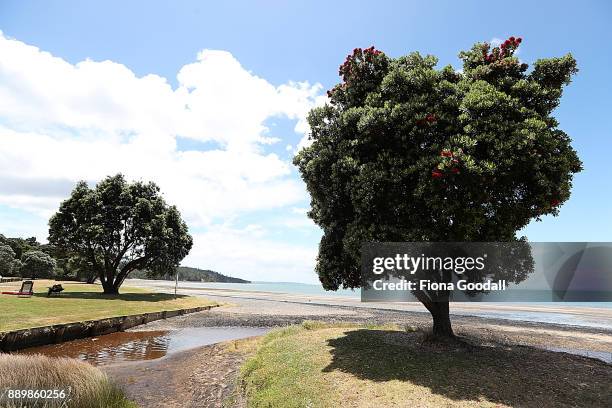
(280,43)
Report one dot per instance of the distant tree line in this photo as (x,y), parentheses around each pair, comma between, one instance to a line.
(28,258)
(189,274)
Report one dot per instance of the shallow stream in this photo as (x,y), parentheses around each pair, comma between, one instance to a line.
(142,345)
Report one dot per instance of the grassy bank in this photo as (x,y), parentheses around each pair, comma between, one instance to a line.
(317,365)
(81,302)
(84,385)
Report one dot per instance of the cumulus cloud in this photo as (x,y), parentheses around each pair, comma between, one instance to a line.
(63,122)
(248,253)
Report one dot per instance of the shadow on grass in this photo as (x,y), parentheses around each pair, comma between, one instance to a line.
(136,297)
(515,376)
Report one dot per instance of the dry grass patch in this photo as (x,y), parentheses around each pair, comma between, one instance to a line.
(85,386)
(318,365)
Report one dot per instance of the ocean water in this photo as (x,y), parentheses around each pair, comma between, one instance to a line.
(317,290)
(275,287)
(546,312)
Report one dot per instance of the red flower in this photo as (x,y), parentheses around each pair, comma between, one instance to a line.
(437,174)
(519,40)
(554,202)
(430,117)
(446,153)
(511,39)
(455,170)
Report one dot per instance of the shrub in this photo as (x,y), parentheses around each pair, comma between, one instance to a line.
(37,264)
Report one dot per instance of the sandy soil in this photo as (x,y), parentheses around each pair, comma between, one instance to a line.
(203,377)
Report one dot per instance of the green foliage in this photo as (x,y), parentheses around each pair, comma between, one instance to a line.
(7,257)
(118,227)
(37,264)
(20,245)
(69,265)
(16,267)
(405,151)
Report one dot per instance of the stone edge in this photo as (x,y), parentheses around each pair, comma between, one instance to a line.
(58,333)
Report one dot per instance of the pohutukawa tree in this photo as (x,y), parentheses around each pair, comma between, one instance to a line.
(405,151)
(118,227)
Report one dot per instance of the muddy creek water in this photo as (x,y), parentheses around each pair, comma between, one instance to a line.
(142,345)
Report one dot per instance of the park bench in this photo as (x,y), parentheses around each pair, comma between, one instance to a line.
(26,289)
(55,289)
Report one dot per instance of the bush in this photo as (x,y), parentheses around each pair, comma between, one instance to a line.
(7,255)
(37,264)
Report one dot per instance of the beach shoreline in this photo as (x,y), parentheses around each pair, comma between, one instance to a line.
(258,309)
(210,373)
(570,314)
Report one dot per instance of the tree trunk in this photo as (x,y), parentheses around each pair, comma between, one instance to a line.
(441,321)
(109,288)
(116,286)
(439,309)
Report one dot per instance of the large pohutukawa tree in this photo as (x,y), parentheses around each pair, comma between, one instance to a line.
(405,151)
(118,227)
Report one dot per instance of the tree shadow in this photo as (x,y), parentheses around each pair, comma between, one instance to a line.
(135,297)
(516,376)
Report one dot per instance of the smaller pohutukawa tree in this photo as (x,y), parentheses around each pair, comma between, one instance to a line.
(405,151)
(118,227)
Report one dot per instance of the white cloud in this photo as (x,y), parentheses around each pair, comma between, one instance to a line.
(241,253)
(63,122)
(85,121)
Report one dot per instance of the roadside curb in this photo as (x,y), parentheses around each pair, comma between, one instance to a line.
(58,333)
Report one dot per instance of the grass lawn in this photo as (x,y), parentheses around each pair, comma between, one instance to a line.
(79,302)
(318,365)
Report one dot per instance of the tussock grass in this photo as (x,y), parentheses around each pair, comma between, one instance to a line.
(85,385)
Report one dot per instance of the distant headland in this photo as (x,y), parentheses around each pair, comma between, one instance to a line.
(189,274)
